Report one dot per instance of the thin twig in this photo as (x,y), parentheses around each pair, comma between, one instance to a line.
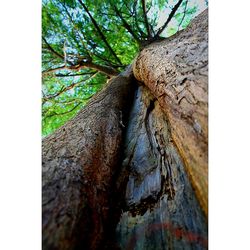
(76,29)
(52,50)
(143,35)
(125,24)
(85,64)
(47,71)
(63,113)
(80,74)
(99,31)
(64,89)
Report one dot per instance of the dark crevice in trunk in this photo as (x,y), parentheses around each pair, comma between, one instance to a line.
(118,187)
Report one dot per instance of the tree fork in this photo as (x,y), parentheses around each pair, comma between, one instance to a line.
(100,32)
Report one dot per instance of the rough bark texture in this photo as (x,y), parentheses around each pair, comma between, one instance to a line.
(80,163)
(176,72)
(117,175)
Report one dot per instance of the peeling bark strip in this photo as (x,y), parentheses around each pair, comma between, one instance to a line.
(161,210)
(79,165)
(176,72)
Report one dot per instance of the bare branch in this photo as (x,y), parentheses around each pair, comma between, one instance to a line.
(85,64)
(101,68)
(72,100)
(63,113)
(47,71)
(145,18)
(65,89)
(99,31)
(80,74)
(169,17)
(125,24)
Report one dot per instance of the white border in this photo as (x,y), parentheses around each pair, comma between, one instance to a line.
(229,126)
(20,176)
(229,175)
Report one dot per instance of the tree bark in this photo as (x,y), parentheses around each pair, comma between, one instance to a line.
(117,176)
(176,72)
(80,162)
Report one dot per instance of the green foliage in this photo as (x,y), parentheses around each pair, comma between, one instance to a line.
(78,35)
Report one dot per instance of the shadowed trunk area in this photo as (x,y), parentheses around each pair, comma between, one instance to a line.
(80,163)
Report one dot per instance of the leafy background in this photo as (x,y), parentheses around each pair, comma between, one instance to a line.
(80,36)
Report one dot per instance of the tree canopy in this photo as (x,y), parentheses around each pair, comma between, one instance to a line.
(86,42)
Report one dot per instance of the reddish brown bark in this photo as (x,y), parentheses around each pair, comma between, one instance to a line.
(176,72)
(80,162)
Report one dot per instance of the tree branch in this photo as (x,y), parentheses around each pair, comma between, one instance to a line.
(110,63)
(76,29)
(47,71)
(110,71)
(99,31)
(52,50)
(101,68)
(169,18)
(125,24)
(86,64)
(143,35)
(145,18)
(63,113)
(70,75)
(64,89)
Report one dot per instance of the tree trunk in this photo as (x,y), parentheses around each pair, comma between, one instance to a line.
(176,72)
(80,163)
(114,177)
